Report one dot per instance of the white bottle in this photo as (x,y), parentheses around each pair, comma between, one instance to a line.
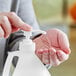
(28,63)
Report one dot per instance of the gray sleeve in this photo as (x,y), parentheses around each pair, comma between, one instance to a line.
(2,49)
(27,14)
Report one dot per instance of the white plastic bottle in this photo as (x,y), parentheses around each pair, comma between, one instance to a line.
(28,63)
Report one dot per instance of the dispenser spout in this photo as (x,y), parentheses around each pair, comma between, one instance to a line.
(29,34)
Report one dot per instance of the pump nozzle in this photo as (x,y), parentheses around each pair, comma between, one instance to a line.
(29,34)
(39,31)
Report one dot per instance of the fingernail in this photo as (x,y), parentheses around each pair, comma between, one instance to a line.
(28,27)
(67,51)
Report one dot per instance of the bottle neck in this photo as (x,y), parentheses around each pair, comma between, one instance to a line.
(27,45)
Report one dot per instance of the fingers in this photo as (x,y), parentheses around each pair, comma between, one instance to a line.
(62,56)
(39,53)
(53,57)
(17,22)
(48,56)
(5,25)
(10,22)
(57,56)
(45,56)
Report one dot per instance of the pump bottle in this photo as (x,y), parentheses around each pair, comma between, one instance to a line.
(28,63)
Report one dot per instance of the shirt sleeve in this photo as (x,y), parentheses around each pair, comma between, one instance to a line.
(2,50)
(27,14)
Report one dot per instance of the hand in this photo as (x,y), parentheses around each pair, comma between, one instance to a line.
(53,47)
(10,22)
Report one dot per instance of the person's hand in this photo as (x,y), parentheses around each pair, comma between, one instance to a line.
(10,22)
(53,47)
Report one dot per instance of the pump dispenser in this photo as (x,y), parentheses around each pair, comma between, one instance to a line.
(28,63)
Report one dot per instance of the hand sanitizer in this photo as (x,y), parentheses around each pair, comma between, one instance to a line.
(28,63)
